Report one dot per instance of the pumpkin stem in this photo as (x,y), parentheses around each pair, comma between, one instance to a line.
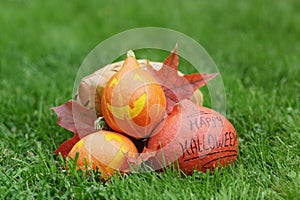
(100,124)
(130,62)
(130,53)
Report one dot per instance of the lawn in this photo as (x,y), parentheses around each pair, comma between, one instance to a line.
(255,45)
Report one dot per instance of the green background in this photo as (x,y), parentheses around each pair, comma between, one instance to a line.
(255,45)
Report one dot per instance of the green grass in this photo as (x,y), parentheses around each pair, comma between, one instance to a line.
(255,44)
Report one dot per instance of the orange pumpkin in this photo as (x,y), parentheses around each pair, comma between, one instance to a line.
(195,138)
(133,102)
(104,150)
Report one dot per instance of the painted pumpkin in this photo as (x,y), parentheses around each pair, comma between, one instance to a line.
(133,102)
(104,151)
(91,87)
(198,138)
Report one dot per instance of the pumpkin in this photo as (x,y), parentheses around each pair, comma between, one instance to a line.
(195,138)
(105,151)
(91,87)
(133,102)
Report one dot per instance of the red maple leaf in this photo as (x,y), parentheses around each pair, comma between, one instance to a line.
(177,87)
(76,118)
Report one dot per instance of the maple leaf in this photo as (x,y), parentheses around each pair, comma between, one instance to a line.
(177,87)
(76,118)
(143,157)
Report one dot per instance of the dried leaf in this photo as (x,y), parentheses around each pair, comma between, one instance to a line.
(177,87)
(145,156)
(76,118)
(67,146)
